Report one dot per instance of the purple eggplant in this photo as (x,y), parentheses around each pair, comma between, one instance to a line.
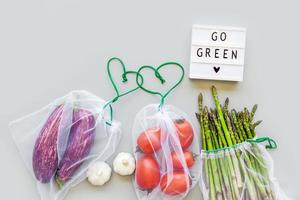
(80,142)
(45,156)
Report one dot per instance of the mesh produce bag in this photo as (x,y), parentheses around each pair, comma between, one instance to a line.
(244,171)
(60,141)
(166,147)
(167,153)
(234,164)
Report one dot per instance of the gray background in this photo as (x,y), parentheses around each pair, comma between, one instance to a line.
(49,47)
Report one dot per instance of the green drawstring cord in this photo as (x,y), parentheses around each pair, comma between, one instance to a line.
(139,81)
(124,79)
(162,80)
(271,144)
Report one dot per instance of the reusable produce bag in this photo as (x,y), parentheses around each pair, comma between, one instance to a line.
(244,171)
(166,148)
(234,162)
(60,141)
(167,153)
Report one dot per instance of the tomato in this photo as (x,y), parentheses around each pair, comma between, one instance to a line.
(185,132)
(188,157)
(149,141)
(178,184)
(147,173)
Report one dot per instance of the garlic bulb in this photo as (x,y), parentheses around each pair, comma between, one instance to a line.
(99,173)
(124,164)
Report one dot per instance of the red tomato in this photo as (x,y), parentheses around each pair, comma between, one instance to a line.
(149,141)
(185,132)
(188,157)
(178,184)
(147,173)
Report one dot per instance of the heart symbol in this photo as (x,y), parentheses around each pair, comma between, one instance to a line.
(124,78)
(162,80)
(216,69)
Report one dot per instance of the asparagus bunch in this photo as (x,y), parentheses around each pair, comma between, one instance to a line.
(232,173)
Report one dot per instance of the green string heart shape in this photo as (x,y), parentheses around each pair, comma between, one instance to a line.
(124,78)
(162,80)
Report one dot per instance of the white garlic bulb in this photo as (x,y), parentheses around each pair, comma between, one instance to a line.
(99,173)
(124,164)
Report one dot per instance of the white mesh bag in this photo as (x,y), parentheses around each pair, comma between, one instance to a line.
(244,171)
(60,141)
(167,153)
(166,147)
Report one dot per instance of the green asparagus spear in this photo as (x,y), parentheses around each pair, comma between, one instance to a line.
(212,161)
(239,123)
(242,119)
(253,112)
(233,136)
(254,125)
(226,104)
(221,116)
(207,166)
(247,124)
(200,106)
(221,137)
(236,130)
(237,126)
(216,142)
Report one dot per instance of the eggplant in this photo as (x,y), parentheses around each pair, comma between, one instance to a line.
(80,142)
(45,156)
